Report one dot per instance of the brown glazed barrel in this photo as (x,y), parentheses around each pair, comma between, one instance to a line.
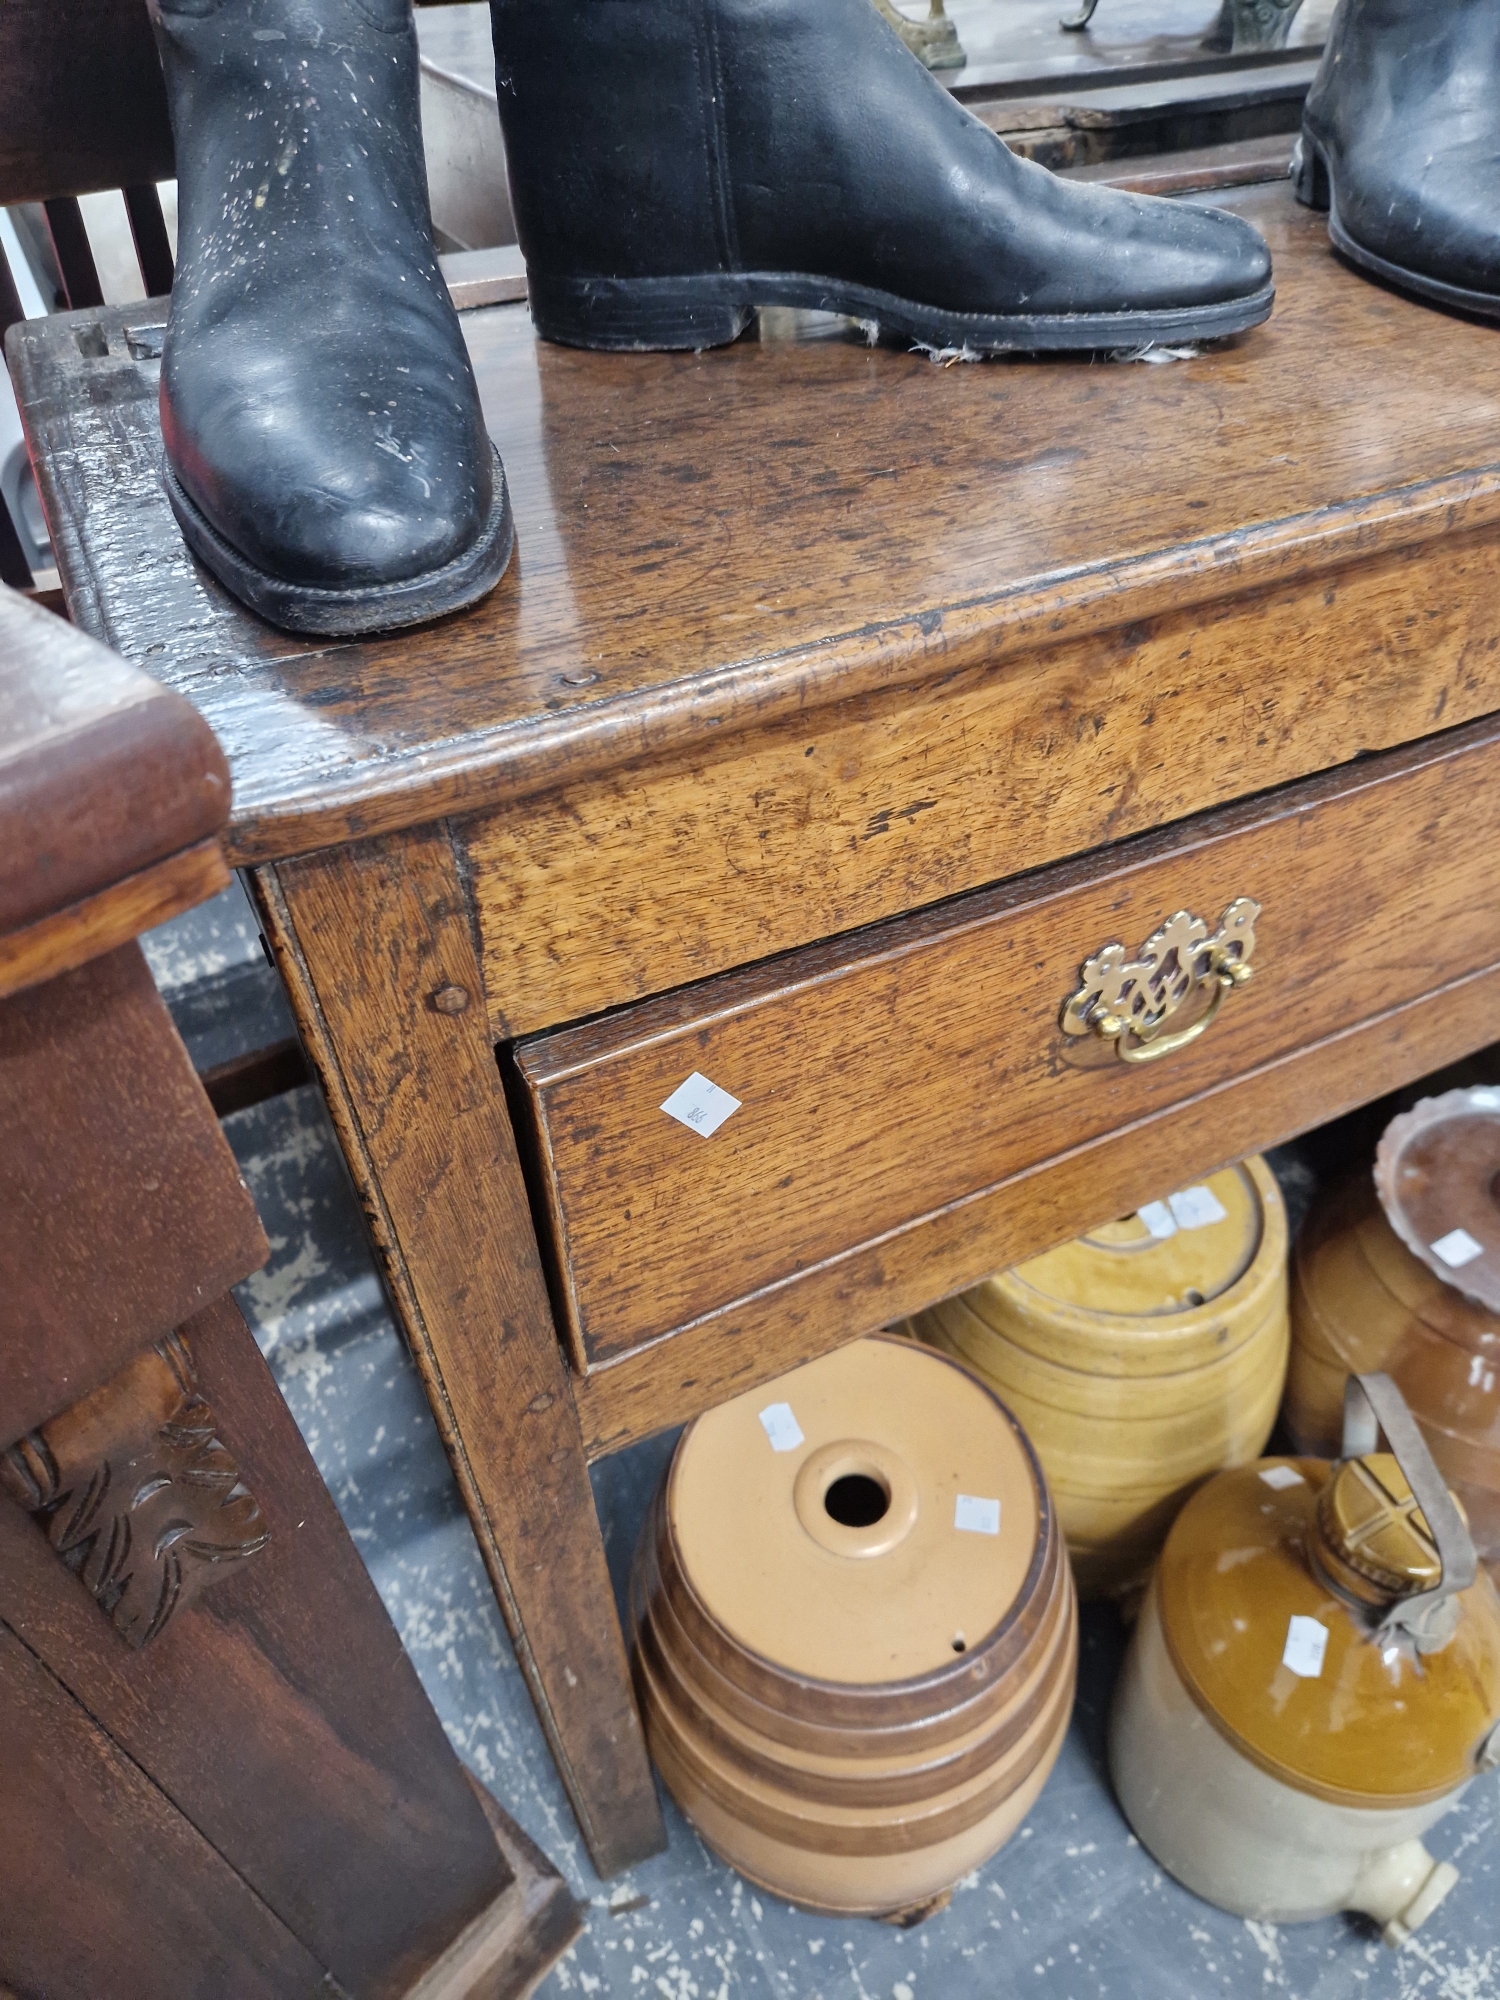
(1362,1301)
(853,1629)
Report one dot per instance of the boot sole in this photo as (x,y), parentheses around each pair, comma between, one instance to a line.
(647,314)
(376,607)
(1313,186)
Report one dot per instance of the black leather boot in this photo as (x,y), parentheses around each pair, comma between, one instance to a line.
(1401,144)
(325,452)
(675,163)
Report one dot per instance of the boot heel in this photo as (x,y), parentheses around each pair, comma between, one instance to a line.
(1309,173)
(639,313)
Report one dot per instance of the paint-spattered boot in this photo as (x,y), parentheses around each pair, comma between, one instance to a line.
(676,163)
(325,453)
(1401,144)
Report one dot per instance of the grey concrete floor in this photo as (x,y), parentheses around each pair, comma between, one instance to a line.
(1071,1908)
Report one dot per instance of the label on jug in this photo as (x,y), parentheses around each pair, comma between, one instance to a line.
(1306,1643)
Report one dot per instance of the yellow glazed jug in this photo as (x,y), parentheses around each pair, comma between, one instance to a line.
(853,1628)
(1140,1359)
(1313,1681)
(1402,1273)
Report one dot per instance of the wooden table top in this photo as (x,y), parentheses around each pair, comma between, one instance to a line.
(710,543)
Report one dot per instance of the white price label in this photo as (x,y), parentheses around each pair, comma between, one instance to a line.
(1306,1643)
(1456,1249)
(1158,1219)
(1196,1208)
(781,1427)
(700,1105)
(1279,1477)
(976,1516)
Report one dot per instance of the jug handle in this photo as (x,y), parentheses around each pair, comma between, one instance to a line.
(1372,1405)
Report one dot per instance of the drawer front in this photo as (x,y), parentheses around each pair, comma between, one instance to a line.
(615,888)
(885,1077)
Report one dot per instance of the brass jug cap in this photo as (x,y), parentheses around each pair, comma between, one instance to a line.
(1372,1537)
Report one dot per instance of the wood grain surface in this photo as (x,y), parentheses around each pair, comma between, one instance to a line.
(507,1951)
(712,544)
(595,894)
(1028,1212)
(370,938)
(81,99)
(885,1077)
(100,923)
(122,1211)
(106,1888)
(279,1713)
(102,771)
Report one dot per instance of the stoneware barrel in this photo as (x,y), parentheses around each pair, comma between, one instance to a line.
(853,1629)
(1314,1679)
(1365,1296)
(1139,1358)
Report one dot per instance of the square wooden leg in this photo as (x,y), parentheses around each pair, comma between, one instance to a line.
(375,944)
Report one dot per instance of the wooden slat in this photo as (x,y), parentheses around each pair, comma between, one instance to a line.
(10,298)
(14,568)
(89,928)
(102,772)
(104,1887)
(148,229)
(253,1077)
(75,258)
(122,1211)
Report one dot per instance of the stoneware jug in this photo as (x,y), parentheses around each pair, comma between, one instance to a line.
(1140,1359)
(1402,1273)
(853,1629)
(1313,1681)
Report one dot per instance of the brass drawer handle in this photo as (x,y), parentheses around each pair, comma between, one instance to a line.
(1132,1002)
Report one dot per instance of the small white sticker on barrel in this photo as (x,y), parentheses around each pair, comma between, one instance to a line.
(1456,1249)
(1158,1219)
(1306,1643)
(976,1516)
(1196,1208)
(781,1427)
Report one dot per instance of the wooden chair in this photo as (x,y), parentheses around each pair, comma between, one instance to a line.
(219,1767)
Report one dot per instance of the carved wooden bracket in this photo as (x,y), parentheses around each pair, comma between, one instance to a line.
(136,1493)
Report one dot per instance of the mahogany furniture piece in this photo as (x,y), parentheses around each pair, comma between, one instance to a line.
(837,713)
(220,1772)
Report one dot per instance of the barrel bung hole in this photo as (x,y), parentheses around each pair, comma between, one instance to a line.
(857,1500)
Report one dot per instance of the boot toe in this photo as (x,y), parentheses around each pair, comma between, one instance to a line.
(326,462)
(1154,255)
(339,507)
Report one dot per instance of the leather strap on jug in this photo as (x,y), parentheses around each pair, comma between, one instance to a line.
(1372,1405)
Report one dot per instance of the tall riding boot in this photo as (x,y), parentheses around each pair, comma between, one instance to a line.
(676,163)
(1401,144)
(325,452)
